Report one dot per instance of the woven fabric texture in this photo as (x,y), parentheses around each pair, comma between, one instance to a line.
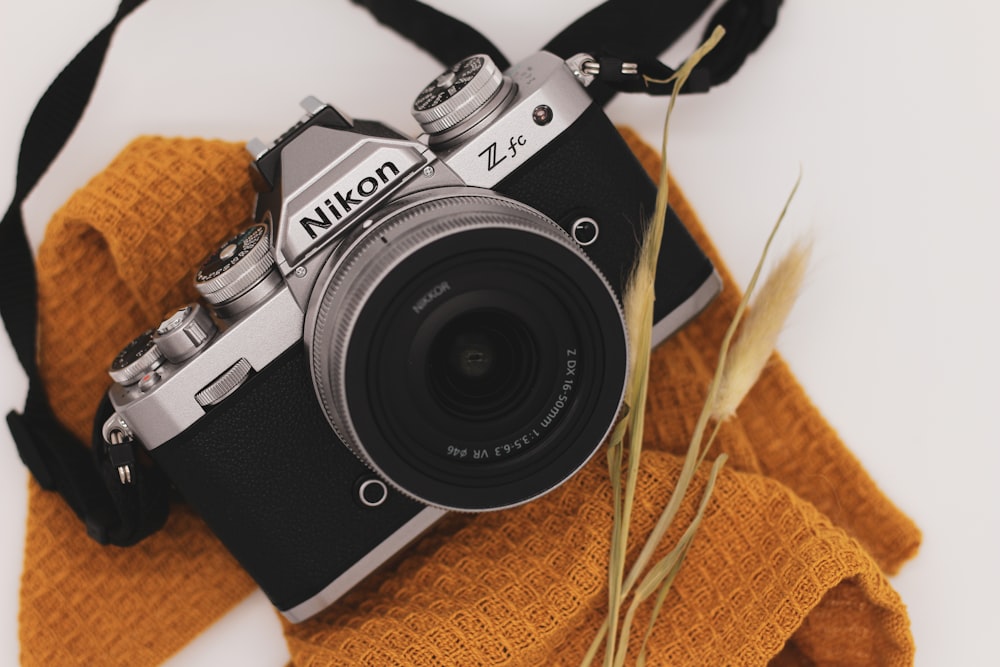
(789,567)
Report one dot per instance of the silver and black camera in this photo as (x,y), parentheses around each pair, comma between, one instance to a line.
(407,327)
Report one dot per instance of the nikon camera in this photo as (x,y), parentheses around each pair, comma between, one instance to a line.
(407,326)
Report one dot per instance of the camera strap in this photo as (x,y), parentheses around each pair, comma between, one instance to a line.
(623,36)
(626,36)
(121,516)
(123,513)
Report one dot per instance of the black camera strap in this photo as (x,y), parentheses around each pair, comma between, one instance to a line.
(624,36)
(58,461)
(444,37)
(121,513)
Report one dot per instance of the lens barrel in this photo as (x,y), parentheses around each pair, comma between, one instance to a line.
(467,350)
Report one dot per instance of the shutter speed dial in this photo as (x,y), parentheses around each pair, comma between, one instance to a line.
(240,273)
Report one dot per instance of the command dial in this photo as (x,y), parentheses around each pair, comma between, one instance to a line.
(239,273)
(458,93)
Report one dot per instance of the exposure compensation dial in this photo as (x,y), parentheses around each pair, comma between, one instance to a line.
(461,96)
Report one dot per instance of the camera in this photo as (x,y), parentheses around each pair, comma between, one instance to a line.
(406,327)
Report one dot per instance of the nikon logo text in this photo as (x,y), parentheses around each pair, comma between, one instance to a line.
(342,203)
(324,205)
(434,293)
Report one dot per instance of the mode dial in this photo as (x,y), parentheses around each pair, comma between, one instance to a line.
(468,86)
(239,273)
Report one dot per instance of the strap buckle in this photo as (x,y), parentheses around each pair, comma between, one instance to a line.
(59,463)
(644,75)
(31,452)
(586,67)
(119,446)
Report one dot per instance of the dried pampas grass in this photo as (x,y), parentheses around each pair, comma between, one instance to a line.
(759,333)
(733,377)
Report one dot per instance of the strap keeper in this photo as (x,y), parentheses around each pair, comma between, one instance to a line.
(642,75)
(28,447)
(61,464)
(121,456)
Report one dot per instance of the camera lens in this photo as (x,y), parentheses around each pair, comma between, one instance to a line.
(468,351)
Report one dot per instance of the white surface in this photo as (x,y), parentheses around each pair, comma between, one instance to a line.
(891,108)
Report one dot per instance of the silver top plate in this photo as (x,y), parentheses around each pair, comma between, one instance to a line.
(323,197)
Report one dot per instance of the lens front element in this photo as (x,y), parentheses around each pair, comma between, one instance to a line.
(481,364)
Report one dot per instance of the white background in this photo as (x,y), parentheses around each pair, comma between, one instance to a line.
(891,108)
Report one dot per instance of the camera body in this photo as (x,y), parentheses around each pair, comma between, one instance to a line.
(407,327)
